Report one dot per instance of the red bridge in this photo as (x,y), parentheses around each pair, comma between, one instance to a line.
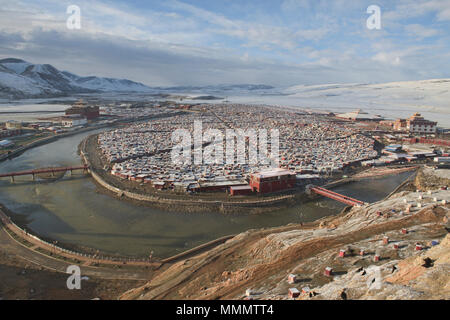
(336,196)
(38,171)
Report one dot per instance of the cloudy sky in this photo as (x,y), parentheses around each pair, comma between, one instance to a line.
(275,42)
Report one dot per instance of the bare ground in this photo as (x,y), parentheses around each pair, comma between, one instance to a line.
(260,260)
(20,279)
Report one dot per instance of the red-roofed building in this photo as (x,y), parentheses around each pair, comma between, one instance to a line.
(240,190)
(272,180)
(82,109)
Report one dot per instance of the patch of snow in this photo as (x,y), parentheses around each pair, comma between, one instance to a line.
(17,67)
(23,84)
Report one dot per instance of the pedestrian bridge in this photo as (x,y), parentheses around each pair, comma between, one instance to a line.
(335,196)
(51,171)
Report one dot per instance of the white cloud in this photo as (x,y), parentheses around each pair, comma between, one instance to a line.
(418,8)
(295,5)
(387,58)
(420,31)
(189,45)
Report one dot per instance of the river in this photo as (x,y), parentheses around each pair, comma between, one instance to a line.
(71,210)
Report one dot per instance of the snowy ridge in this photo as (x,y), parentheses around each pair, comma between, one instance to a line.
(20,79)
(426,95)
(109,84)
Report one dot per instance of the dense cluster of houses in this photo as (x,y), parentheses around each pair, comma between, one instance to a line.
(133,111)
(308,144)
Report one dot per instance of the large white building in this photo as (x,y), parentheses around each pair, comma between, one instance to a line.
(416,124)
(359,115)
(73,121)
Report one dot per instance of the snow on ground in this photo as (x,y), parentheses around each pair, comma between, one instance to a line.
(108,84)
(21,79)
(391,100)
(17,67)
(22,84)
(430,97)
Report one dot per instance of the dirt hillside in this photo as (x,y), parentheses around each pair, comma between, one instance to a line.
(261,260)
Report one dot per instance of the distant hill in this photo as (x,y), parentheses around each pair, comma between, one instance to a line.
(218,88)
(20,79)
(430,96)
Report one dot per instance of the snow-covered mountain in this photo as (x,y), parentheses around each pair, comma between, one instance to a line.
(106,84)
(21,79)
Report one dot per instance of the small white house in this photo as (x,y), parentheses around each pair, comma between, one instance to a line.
(6,143)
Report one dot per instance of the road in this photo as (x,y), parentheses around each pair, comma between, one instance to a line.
(11,246)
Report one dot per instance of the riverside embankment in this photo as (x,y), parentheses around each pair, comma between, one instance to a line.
(40,142)
(91,127)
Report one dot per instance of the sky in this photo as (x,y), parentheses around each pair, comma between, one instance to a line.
(207,42)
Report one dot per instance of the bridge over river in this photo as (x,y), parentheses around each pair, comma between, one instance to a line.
(35,172)
(335,196)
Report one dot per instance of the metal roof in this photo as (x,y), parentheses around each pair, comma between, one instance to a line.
(247,187)
(273,173)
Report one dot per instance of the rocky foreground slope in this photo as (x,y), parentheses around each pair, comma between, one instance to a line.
(261,260)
